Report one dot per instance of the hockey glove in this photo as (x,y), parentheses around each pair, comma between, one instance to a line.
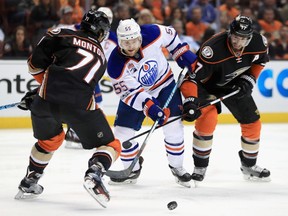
(184,56)
(190,109)
(27,100)
(245,84)
(151,109)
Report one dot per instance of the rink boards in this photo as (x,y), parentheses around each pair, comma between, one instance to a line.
(271,94)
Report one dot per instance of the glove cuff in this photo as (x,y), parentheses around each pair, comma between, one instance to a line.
(190,99)
(250,79)
(147,106)
(179,51)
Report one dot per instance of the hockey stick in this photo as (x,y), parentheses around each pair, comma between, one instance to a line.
(9,105)
(126,172)
(127,144)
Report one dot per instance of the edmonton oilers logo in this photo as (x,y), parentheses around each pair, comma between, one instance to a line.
(148,73)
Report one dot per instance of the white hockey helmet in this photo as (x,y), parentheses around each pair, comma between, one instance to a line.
(108,12)
(127,30)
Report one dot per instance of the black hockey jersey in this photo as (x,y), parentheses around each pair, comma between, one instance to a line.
(220,65)
(73,63)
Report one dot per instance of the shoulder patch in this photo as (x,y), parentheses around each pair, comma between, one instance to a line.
(207,52)
(56,31)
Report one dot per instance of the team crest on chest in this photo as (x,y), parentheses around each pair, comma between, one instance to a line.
(148,73)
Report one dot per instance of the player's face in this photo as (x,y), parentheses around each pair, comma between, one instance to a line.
(131,46)
(238,42)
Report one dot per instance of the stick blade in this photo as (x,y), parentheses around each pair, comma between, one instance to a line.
(119,174)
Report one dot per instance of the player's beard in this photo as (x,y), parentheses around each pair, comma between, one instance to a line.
(237,46)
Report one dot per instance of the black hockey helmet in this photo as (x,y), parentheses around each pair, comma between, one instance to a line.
(241,26)
(97,23)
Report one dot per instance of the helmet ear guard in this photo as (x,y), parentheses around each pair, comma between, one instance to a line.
(242,27)
(97,23)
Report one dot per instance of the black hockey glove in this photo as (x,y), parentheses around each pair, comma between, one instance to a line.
(190,109)
(27,100)
(245,84)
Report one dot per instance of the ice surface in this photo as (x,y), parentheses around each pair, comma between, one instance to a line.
(222,193)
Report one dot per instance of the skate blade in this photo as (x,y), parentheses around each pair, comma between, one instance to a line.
(184,184)
(100,198)
(196,183)
(73,145)
(126,182)
(22,195)
(256,179)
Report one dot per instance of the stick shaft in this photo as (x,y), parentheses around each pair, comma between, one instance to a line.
(7,106)
(179,117)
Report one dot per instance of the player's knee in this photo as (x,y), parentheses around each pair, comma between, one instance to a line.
(123,133)
(207,122)
(251,131)
(174,132)
(53,143)
(248,117)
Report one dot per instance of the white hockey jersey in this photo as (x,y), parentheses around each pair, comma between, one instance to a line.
(145,74)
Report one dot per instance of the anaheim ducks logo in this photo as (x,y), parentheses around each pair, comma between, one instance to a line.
(148,73)
(207,52)
(229,77)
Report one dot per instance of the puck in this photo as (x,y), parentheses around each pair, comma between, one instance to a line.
(172,205)
(126,144)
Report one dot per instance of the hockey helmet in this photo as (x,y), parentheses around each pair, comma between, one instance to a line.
(97,23)
(242,27)
(128,30)
(108,12)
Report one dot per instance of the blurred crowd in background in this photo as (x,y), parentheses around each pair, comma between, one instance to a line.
(23,22)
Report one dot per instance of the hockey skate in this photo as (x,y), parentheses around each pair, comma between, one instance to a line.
(29,187)
(255,173)
(72,140)
(94,185)
(182,177)
(131,179)
(198,175)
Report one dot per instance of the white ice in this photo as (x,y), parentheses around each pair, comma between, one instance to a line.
(223,192)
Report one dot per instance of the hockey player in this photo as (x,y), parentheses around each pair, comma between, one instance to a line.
(228,61)
(142,78)
(68,64)
(108,44)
